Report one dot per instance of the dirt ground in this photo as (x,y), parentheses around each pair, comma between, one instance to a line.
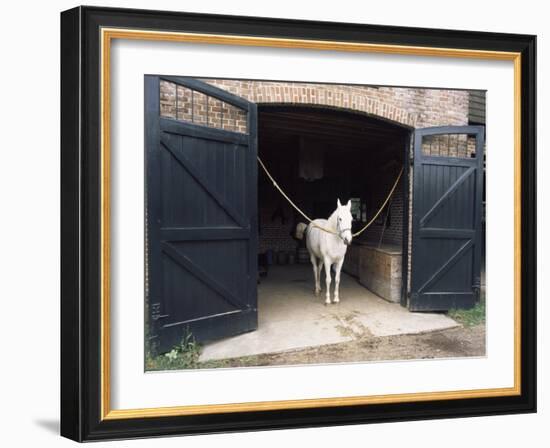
(456,342)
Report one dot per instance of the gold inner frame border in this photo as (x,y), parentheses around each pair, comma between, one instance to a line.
(107,36)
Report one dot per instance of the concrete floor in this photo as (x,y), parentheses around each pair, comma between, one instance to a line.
(291,317)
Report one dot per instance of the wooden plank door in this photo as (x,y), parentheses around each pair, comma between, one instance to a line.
(447,208)
(201,194)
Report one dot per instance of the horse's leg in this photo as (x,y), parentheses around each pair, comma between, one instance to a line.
(319,272)
(316,273)
(327,278)
(337,280)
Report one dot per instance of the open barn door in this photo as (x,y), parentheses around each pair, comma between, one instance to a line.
(447,213)
(201,194)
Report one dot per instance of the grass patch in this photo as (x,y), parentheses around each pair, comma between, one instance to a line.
(183,356)
(471,317)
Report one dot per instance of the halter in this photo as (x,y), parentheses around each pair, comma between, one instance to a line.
(340,231)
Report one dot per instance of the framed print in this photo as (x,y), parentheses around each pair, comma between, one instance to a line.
(275,224)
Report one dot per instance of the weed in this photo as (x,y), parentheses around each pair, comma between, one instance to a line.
(471,317)
(183,356)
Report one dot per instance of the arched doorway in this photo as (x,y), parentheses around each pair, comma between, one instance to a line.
(318,155)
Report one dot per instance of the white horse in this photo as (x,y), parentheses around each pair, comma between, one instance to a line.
(328,248)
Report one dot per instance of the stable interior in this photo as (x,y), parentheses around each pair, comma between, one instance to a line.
(319,155)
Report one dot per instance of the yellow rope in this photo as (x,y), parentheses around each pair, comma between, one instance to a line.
(276,185)
(383,205)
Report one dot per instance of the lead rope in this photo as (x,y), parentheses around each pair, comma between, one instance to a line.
(276,185)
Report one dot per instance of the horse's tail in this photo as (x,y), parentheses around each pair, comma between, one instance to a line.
(300,230)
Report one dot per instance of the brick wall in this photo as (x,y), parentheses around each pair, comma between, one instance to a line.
(450,145)
(411,107)
(199,108)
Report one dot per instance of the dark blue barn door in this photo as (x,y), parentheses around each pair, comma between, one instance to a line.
(447,212)
(201,211)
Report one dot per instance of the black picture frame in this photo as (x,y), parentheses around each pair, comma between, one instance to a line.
(81,209)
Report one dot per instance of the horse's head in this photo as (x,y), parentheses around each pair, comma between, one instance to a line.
(343,222)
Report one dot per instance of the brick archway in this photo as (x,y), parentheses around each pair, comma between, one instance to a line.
(366,100)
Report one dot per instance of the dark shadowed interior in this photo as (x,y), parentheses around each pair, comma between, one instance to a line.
(357,157)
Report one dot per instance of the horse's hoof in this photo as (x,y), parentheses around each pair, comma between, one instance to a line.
(336,301)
